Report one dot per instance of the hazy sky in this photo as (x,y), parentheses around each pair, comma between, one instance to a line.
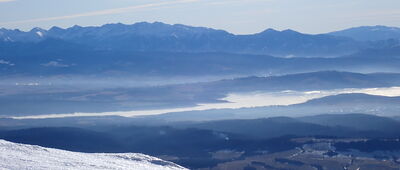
(237,16)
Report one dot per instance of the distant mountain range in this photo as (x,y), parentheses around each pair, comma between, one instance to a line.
(369,33)
(353,99)
(321,80)
(112,136)
(334,104)
(291,88)
(181,38)
(52,58)
(355,121)
(45,99)
(303,126)
(163,49)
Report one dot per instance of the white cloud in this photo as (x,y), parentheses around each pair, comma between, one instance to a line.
(102,12)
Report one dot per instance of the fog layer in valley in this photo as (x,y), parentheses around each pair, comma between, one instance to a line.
(241,100)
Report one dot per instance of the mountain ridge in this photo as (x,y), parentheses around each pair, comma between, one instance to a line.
(158,36)
(369,33)
(22,156)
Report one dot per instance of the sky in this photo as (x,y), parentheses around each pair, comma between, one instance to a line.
(236,16)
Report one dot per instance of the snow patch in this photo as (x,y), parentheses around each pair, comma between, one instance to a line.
(22,156)
(174,35)
(8,39)
(40,34)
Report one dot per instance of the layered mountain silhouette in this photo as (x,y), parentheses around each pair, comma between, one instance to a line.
(181,38)
(158,48)
(369,33)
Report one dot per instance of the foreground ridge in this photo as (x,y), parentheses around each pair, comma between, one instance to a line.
(22,156)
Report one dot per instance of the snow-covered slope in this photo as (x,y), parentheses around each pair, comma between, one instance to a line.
(21,156)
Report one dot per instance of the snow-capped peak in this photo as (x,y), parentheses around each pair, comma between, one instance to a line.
(40,34)
(22,156)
